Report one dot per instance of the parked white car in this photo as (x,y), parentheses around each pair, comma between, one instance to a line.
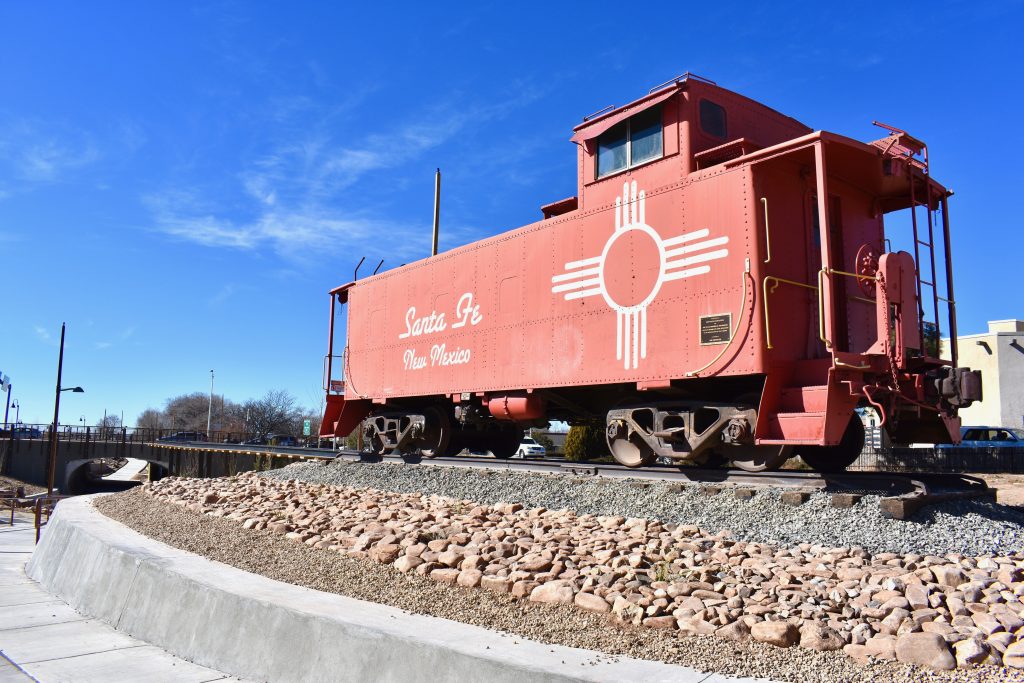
(530,448)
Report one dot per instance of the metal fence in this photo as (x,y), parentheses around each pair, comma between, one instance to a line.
(942,459)
(128,434)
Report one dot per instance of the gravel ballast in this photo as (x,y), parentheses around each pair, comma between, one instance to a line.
(968,527)
(273,555)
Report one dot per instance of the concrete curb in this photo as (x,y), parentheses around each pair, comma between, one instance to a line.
(254,627)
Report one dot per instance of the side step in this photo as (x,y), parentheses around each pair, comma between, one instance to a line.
(807,427)
(811,399)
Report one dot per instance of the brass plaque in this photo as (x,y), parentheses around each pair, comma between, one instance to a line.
(716,329)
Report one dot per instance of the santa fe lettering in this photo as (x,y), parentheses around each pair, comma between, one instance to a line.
(466,312)
(440,356)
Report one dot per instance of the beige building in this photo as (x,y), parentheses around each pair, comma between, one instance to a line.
(999,354)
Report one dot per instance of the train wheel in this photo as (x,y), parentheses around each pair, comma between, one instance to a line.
(628,449)
(836,458)
(759,458)
(505,443)
(437,434)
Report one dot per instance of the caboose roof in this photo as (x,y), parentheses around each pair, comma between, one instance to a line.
(594,125)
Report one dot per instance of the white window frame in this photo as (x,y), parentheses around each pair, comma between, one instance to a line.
(629,147)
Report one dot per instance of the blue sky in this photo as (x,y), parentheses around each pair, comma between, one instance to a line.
(183,182)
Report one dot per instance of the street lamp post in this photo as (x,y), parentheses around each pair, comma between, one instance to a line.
(17,411)
(6,385)
(209,411)
(51,465)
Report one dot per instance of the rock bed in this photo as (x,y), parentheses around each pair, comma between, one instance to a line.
(937,611)
(970,527)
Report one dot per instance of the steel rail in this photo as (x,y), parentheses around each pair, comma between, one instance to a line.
(880,483)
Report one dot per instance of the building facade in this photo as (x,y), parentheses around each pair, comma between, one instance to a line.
(999,354)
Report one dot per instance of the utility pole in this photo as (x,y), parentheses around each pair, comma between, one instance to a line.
(209,412)
(437,210)
(51,464)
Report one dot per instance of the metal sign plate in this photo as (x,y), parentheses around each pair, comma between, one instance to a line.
(715,329)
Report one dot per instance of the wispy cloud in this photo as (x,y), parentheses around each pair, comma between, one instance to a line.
(123,336)
(222,295)
(296,196)
(48,159)
(43,334)
(289,232)
(38,153)
(34,153)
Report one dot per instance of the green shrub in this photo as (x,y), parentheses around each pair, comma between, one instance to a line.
(585,442)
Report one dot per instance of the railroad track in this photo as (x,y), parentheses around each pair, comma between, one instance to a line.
(901,494)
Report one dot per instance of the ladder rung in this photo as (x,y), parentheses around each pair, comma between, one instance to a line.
(925,282)
(925,244)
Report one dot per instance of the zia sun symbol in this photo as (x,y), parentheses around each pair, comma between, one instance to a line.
(632,268)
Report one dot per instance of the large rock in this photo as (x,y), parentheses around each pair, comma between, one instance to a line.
(925,649)
(881,647)
(948,575)
(498,584)
(737,631)
(857,652)
(448,576)
(970,653)
(660,622)
(406,563)
(553,592)
(1014,655)
(987,623)
(695,627)
(1010,620)
(777,633)
(534,564)
(917,596)
(469,578)
(385,553)
(591,602)
(521,589)
(451,558)
(815,635)
(626,611)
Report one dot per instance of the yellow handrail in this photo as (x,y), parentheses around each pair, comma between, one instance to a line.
(821,298)
(859,276)
(764,298)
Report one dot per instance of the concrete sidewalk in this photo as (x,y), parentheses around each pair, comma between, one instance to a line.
(42,639)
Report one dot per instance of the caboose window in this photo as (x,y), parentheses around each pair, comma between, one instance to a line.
(634,141)
(712,119)
(645,136)
(612,149)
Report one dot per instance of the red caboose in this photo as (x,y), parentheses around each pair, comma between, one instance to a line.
(718,288)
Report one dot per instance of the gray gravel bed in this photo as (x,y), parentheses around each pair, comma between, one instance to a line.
(270,554)
(965,527)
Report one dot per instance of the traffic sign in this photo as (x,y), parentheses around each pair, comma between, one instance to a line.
(306,425)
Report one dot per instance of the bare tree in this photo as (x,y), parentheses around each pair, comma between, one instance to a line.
(275,413)
(187,412)
(108,427)
(150,418)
